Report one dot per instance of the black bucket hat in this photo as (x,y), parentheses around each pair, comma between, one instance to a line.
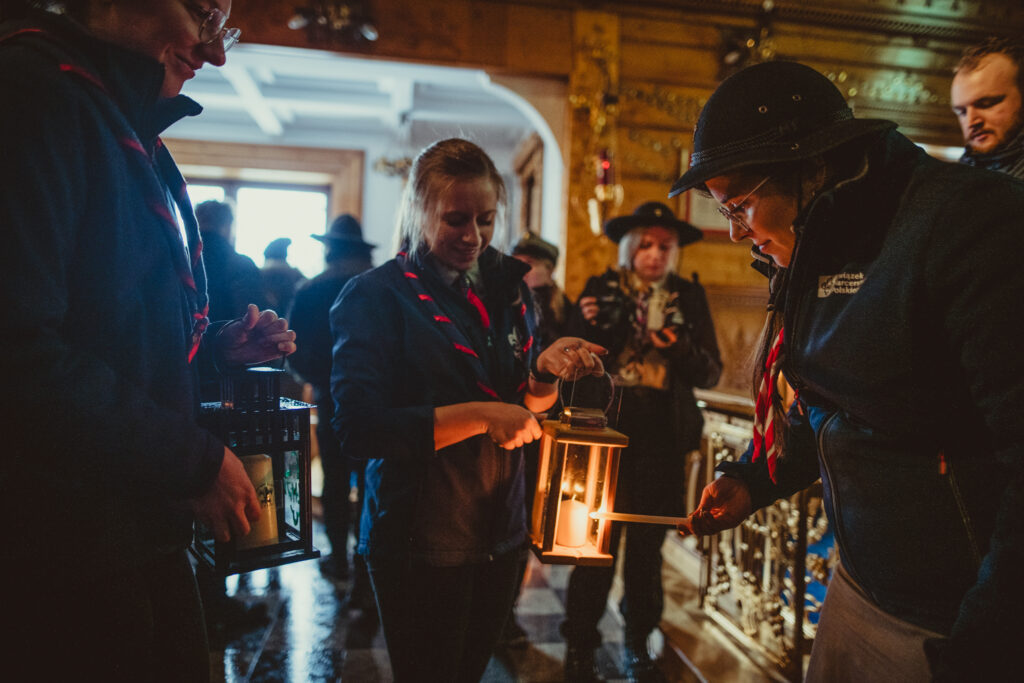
(345,231)
(648,214)
(770,113)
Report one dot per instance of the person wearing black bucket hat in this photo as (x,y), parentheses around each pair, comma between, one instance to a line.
(661,341)
(891,285)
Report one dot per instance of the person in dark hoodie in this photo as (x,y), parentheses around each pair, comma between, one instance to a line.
(106,308)
(893,292)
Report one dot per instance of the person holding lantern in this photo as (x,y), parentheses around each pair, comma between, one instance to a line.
(891,291)
(437,379)
(661,341)
(105,301)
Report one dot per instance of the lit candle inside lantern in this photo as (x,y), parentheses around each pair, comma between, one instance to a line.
(572,523)
(264,530)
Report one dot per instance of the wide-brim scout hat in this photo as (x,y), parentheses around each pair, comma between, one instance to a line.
(345,231)
(648,214)
(769,113)
(535,247)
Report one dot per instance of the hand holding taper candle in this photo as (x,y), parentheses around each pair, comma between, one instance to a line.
(724,503)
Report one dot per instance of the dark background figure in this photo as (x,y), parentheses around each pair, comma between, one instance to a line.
(346,254)
(105,299)
(553,309)
(233,279)
(280,278)
(986,96)
(233,282)
(661,342)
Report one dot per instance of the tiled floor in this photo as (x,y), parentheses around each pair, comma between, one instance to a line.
(305,637)
(310,637)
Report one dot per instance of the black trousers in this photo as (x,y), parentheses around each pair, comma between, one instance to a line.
(442,623)
(652,471)
(140,625)
(339,516)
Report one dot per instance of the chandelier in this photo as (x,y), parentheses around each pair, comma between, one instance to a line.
(335,21)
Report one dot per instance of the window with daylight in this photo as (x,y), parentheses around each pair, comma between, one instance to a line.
(265,212)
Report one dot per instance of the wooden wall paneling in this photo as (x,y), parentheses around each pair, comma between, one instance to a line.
(697,33)
(506,36)
(529,169)
(669,64)
(650,154)
(657,105)
(595,46)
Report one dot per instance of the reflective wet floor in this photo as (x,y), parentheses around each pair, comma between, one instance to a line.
(310,634)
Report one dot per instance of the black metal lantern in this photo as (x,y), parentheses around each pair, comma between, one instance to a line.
(270,434)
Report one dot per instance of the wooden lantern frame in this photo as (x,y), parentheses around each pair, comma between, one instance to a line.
(576,428)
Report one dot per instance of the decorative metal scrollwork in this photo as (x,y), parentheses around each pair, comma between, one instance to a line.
(766,577)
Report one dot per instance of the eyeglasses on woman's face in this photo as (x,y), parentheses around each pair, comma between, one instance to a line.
(212,23)
(735,212)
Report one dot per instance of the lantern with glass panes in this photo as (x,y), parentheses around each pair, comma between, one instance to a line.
(576,476)
(270,435)
(574,499)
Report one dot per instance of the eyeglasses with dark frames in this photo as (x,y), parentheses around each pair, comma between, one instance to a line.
(734,212)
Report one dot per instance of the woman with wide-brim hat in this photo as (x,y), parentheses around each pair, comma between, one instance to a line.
(661,341)
(891,285)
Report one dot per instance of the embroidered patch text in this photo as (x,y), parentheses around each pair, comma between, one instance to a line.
(840,283)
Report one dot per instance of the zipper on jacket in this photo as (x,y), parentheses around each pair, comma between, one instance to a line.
(837,526)
(946,471)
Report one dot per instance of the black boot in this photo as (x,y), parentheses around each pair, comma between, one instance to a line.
(638,665)
(580,666)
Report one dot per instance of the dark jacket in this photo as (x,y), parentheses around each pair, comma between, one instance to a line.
(101,449)
(1008,159)
(233,279)
(310,318)
(694,359)
(392,367)
(899,340)
(280,281)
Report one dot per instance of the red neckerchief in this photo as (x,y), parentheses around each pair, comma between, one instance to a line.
(192,277)
(454,334)
(764,410)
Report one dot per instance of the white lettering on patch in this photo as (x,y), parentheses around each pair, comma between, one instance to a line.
(841,283)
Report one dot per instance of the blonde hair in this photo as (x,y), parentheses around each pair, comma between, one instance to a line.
(630,244)
(435,170)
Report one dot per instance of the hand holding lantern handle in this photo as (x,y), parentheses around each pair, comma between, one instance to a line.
(571,358)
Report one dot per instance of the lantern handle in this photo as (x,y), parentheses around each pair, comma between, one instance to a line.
(611,397)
